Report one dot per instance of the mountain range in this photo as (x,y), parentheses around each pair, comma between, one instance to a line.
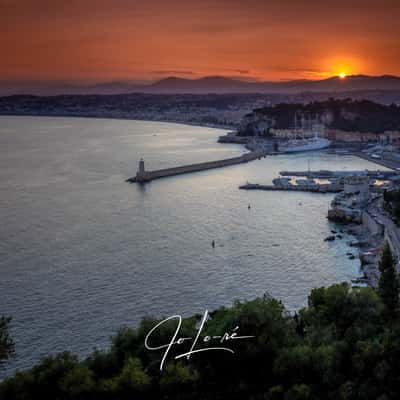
(209,84)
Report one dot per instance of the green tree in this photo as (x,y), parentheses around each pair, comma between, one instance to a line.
(385,195)
(299,392)
(133,376)
(77,383)
(388,282)
(6,343)
(177,374)
(396,212)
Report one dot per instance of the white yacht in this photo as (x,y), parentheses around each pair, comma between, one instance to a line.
(309,132)
(315,143)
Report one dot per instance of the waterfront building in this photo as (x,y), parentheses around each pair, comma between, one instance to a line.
(357,188)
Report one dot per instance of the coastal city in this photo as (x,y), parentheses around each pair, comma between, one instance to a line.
(363,216)
(200,200)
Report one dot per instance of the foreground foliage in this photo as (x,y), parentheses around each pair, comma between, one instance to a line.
(344,345)
(391,203)
(6,343)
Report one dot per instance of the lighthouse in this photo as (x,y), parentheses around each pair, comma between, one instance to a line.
(140,176)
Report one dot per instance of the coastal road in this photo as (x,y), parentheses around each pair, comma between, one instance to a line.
(392,232)
(385,163)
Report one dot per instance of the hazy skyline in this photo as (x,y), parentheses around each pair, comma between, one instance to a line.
(99,40)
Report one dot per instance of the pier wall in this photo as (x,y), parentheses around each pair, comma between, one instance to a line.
(148,176)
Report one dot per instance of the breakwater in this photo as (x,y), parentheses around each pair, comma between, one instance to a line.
(143,176)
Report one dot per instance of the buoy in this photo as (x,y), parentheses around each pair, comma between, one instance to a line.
(248,207)
(213,243)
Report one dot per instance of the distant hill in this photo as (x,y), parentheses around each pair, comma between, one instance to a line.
(221,85)
(228,85)
(211,84)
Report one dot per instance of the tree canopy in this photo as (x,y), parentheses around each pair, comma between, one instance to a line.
(6,343)
(344,114)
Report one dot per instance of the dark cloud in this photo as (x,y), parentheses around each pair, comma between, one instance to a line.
(173,72)
(241,71)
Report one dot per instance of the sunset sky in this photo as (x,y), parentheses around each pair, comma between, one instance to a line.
(103,40)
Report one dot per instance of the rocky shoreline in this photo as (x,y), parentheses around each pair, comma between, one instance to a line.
(353,208)
(365,245)
(369,249)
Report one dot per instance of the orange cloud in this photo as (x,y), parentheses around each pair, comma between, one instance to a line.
(131,39)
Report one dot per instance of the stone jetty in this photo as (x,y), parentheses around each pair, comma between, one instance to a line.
(143,176)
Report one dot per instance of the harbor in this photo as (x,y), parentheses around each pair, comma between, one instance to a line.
(357,191)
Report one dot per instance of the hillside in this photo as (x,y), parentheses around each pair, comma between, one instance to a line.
(346,115)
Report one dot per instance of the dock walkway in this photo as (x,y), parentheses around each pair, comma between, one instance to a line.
(294,188)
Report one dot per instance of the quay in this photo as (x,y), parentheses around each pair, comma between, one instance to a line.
(295,188)
(325,181)
(326,174)
(143,176)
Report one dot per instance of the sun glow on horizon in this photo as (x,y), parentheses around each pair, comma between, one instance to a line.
(343,66)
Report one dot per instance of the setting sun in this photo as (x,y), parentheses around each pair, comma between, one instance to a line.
(342,75)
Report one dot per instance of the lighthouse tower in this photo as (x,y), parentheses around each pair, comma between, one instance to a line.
(141,173)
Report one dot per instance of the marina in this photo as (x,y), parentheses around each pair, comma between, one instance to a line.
(321,181)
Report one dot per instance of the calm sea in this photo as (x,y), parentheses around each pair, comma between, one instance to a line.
(83,253)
